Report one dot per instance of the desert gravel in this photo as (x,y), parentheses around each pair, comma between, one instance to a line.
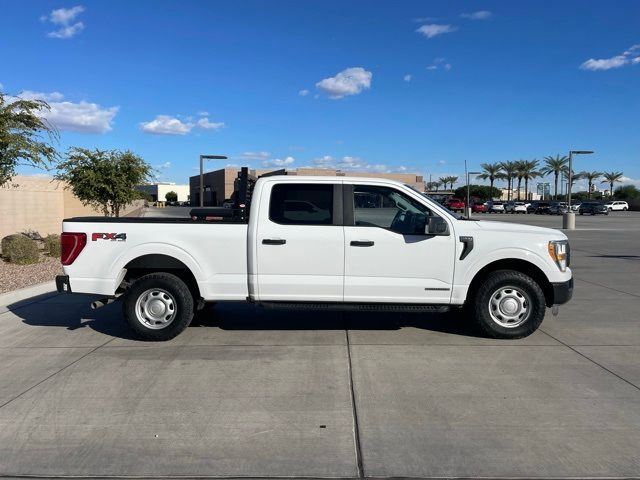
(13,276)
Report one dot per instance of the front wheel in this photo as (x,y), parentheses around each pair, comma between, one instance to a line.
(508,304)
(158,306)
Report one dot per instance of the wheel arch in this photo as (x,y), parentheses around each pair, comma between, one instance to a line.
(518,265)
(155,262)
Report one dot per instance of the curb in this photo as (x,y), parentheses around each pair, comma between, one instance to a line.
(23,295)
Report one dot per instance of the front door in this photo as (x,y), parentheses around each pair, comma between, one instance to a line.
(388,257)
(300,246)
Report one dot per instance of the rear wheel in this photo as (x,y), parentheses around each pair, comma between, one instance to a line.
(508,304)
(158,306)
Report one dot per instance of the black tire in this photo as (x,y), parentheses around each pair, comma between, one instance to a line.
(181,300)
(527,288)
(624,209)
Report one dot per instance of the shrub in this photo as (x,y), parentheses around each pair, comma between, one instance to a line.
(52,245)
(20,249)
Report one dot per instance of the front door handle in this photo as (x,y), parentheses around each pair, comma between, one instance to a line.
(362,243)
(273,241)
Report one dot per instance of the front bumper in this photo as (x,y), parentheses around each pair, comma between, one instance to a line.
(62,284)
(562,292)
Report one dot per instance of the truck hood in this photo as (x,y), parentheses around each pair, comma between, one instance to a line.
(503,227)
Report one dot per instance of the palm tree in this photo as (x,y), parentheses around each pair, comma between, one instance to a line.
(443,181)
(611,178)
(520,168)
(554,165)
(492,171)
(574,177)
(590,176)
(510,169)
(529,172)
(453,179)
(433,185)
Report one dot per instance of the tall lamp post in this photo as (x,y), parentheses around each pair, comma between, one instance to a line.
(569,218)
(468,193)
(202,158)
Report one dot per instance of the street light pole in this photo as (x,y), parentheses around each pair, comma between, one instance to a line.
(206,157)
(569,218)
(468,193)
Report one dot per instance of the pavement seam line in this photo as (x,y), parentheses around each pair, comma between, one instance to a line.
(592,361)
(609,288)
(354,409)
(55,373)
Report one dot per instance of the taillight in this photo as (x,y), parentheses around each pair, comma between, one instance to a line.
(71,244)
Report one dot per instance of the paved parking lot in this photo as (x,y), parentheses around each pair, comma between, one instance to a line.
(250,392)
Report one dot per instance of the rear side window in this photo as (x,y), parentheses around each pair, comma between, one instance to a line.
(301,204)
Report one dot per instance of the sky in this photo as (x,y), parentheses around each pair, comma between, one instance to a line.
(411,86)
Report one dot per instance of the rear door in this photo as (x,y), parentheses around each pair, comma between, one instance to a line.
(388,256)
(300,242)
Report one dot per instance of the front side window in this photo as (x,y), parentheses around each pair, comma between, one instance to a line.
(388,208)
(301,204)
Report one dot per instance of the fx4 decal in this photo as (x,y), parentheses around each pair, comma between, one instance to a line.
(114,237)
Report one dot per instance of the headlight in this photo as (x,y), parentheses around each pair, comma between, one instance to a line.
(560,253)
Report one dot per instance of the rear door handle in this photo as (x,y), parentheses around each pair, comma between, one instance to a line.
(273,241)
(362,243)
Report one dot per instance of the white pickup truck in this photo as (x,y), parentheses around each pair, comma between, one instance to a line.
(319,242)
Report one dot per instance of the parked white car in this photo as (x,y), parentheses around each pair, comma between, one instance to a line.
(617,205)
(516,207)
(496,207)
(318,242)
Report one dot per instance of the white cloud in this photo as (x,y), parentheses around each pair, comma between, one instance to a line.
(254,156)
(350,81)
(425,19)
(64,18)
(83,117)
(434,29)
(164,166)
(441,162)
(278,162)
(439,63)
(166,125)
(479,15)
(631,56)
(350,164)
(303,92)
(203,113)
(407,77)
(605,63)
(47,97)
(207,125)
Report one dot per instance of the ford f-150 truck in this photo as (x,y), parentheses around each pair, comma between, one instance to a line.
(319,242)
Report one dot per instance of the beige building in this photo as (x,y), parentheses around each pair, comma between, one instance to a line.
(218,185)
(158,191)
(40,204)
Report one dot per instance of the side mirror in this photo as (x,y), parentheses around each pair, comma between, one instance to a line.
(437,226)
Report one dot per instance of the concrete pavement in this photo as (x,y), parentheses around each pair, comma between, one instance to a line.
(248,392)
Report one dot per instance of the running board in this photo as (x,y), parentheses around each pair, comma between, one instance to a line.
(359,307)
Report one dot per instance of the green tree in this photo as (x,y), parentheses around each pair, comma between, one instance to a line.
(591,177)
(104,179)
(611,178)
(25,137)
(444,181)
(554,165)
(452,179)
(491,171)
(481,192)
(171,196)
(510,169)
(627,192)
